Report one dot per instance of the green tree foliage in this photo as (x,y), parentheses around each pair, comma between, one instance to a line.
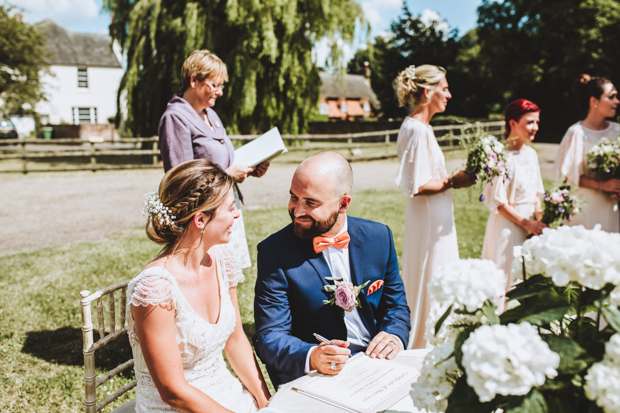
(534,49)
(267,46)
(412,42)
(22,63)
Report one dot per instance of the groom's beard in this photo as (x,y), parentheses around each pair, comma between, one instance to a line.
(314,229)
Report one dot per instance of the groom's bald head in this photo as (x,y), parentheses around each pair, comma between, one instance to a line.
(329,169)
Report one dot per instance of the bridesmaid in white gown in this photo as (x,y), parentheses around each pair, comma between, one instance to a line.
(598,99)
(514,202)
(429,239)
(183,309)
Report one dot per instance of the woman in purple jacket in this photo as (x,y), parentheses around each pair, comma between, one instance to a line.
(190,129)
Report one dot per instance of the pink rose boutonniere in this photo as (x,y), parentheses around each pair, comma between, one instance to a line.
(345,294)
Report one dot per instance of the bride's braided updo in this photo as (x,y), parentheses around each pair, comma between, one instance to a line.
(194,186)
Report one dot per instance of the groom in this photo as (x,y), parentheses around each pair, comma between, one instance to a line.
(322,246)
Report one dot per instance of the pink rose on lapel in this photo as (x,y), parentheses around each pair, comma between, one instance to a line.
(345,295)
(374,287)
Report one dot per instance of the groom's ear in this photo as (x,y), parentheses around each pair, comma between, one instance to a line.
(345,201)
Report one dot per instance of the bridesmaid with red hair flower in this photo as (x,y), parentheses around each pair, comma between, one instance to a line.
(514,199)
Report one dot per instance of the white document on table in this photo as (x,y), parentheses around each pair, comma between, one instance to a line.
(364,385)
(264,148)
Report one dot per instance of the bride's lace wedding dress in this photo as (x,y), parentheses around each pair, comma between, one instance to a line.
(200,342)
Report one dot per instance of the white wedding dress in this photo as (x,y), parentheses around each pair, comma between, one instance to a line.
(521,191)
(200,342)
(570,164)
(429,239)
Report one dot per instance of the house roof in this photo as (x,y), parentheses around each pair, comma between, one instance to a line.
(78,49)
(353,87)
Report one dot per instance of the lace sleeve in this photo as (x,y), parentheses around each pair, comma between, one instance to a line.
(152,287)
(230,266)
(415,169)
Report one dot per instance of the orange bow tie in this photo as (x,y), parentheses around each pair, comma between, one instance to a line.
(322,243)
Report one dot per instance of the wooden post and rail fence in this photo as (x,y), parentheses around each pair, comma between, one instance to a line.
(77,155)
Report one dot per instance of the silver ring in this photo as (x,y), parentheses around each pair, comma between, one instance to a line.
(333,366)
(393,342)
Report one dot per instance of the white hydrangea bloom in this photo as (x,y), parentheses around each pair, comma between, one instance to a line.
(436,382)
(614,297)
(589,257)
(467,284)
(603,379)
(448,330)
(507,360)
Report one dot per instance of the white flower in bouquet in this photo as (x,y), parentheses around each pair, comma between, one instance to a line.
(507,360)
(467,284)
(589,257)
(436,381)
(450,328)
(603,379)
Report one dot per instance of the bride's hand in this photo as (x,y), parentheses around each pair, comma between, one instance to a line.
(462,179)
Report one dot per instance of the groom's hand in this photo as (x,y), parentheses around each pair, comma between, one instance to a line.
(324,355)
(384,346)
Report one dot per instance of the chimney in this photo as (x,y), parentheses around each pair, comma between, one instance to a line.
(367,72)
(18,17)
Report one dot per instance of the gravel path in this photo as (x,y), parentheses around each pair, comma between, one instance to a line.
(39,210)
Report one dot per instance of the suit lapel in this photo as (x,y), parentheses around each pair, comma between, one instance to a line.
(318,261)
(358,273)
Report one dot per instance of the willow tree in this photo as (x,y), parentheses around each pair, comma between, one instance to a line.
(267,46)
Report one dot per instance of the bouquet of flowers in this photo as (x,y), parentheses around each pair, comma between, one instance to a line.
(559,205)
(486,156)
(546,353)
(603,159)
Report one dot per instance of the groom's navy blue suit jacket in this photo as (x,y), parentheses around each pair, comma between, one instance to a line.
(288,303)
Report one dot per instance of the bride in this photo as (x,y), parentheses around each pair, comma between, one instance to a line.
(183,309)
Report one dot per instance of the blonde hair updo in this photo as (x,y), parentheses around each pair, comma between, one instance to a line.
(202,64)
(409,85)
(193,186)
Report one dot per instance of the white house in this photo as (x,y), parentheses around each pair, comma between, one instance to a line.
(86,76)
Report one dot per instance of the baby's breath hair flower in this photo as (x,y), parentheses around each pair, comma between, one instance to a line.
(410,72)
(154,207)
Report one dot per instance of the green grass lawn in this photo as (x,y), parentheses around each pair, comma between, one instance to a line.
(40,338)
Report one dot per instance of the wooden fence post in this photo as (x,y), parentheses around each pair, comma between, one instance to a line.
(387,143)
(93,159)
(155,147)
(24,157)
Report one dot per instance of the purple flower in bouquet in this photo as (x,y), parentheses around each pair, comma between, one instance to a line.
(345,295)
(481,198)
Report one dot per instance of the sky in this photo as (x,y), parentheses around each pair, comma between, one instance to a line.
(87,16)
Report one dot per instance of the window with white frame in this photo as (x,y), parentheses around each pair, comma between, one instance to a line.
(324,109)
(84,115)
(366,107)
(343,106)
(83,78)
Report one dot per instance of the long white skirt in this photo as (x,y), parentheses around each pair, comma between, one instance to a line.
(429,241)
(600,209)
(239,243)
(500,238)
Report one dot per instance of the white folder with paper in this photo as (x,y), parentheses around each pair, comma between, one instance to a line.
(264,148)
(365,385)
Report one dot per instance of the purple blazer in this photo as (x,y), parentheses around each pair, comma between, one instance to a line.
(183,136)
